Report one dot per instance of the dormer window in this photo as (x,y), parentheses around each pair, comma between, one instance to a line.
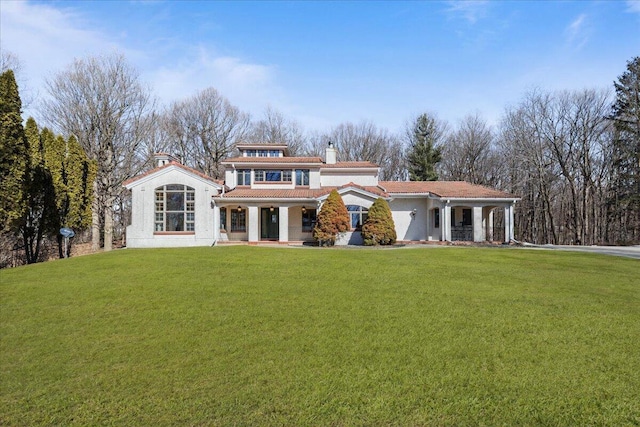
(262,153)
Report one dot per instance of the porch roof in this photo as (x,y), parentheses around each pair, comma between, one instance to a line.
(453,189)
(302,193)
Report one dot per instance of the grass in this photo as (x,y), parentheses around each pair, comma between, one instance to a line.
(264,336)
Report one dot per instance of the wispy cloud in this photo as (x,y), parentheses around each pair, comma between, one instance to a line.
(46,38)
(577,32)
(633,6)
(471,11)
(248,85)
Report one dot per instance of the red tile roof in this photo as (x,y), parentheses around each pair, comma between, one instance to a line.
(180,165)
(249,193)
(317,160)
(304,193)
(350,165)
(454,189)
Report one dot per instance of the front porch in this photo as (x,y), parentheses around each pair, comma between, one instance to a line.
(465,222)
(261,223)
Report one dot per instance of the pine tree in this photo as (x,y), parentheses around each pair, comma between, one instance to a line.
(38,218)
(332,219)
(379,228)
(625,199)
(423,153)
(72,174)
(13,153)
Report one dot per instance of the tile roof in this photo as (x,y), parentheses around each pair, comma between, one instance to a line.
(350,165)
(454,189)
(180,165)
(304,193)
(230,160)
(249,193)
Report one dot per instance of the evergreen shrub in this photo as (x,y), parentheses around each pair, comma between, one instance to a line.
(379,228)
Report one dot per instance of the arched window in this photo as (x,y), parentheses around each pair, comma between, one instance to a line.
(175,208)
(358,216)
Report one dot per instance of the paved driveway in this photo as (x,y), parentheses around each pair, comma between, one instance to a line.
(624,251)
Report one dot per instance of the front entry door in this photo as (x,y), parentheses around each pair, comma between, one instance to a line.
(269,224)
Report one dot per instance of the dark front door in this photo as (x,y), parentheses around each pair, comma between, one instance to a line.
(269,224)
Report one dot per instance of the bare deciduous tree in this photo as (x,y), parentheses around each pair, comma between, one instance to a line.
(558,146)
(274,128)
(366,142)
(101,101)
(204,129)
(470,153)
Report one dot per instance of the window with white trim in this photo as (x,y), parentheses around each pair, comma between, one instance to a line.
(175,208)
(244,177)
(302,176)
(273,175)
(358,216)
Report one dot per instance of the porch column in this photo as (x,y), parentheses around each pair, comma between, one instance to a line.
(253,219)
(445,222)
(490,226)
(216,223)
(284,224)
(478,226)
(508,223)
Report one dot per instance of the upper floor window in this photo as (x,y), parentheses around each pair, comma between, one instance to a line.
(269,175)
(302,176)
(244,177)
(262,153)
(358,216)
(175,208)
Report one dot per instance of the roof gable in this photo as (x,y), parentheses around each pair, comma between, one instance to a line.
(172,166)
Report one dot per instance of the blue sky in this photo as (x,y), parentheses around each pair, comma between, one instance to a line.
(323,63)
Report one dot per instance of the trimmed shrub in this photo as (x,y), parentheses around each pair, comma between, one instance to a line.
(332,219)
(379,228)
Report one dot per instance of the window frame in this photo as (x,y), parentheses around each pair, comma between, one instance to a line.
(302,177)
(267,176)
(238,221)
(357,212)
(244,175)
(166,200)
(309,218)
(223,218)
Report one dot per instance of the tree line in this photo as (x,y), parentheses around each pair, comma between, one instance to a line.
(572,156)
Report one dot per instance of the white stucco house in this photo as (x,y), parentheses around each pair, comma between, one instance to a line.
(268,196)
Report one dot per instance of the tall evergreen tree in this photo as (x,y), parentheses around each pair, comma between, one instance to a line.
(625,199)
(13,153)
(424,154)
(38,218)
(332,219)
(72,175)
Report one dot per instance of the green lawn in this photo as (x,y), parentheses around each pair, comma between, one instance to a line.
(306,337)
